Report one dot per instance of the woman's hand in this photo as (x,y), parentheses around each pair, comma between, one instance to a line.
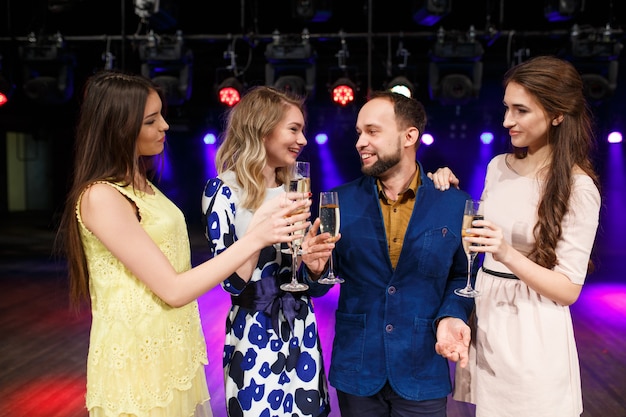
(275,222)
(549,283)
(317,248)
(443,178)
(490,238)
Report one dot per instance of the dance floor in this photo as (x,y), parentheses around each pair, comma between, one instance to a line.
(43,346)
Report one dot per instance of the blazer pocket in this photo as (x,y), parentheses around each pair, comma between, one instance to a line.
(349,342)
(422,348)
(437,252)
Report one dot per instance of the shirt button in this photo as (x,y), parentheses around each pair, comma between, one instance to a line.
(395,240)
(389,328)
(391,290)
(395,210)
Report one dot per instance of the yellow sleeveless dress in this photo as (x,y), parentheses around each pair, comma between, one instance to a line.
(146,359)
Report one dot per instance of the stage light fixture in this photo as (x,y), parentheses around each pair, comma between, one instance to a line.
(292,84)
(229,91)
(146,8)
(343,79)
(455,70)
(154,13)
(317,11)
(401,85)
(397,77)
(487,137)
(596,57)
(614,137)
(343,91)
(321,138)
(6,91)
(429,12)
(561,10)
(168,63)
(291,64)
(48,70)
(427,139)
(6,88)
(210,138)
(229,85)
(600,87)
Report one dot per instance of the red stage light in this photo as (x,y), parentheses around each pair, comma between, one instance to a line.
(229,96)
(6,89)
(343,94)
(229,91)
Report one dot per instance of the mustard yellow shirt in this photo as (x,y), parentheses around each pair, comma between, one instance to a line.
(396,215)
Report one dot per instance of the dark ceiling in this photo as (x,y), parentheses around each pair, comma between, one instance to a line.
(370,34)
(373,33)
(97,17)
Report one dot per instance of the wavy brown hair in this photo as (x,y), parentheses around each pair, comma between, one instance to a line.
(242,150)
(110,119)
(558,88)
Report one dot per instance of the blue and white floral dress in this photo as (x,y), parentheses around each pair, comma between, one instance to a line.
(273,362)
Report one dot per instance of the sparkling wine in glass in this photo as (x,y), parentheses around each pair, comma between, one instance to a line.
(300,182)
(329,223)
(472,212)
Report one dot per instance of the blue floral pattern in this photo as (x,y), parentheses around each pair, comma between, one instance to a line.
(272,367)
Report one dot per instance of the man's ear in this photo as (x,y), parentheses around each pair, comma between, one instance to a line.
(411,136)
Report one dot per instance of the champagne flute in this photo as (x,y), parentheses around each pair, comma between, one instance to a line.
(300,182)
(329,223)
(473,211)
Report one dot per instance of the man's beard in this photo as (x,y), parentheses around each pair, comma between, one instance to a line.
(382,164)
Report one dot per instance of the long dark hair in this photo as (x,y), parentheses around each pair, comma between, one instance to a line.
(558,87)
(110,119)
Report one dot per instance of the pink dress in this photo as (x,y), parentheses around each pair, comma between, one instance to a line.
(523,357)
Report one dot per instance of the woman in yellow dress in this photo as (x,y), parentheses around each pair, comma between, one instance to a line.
(128,250)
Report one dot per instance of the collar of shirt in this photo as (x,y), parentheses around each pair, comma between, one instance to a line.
(396,216)
(410,192)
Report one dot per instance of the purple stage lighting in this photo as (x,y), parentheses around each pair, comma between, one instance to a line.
(428,139)
(209,139)
(321,138)
(486,137)
(615,137)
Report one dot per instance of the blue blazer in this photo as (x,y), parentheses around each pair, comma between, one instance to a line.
(385,318)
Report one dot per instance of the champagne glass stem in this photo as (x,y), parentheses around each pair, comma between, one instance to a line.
(468,286)
(294,285)
(468,291)
(294,265)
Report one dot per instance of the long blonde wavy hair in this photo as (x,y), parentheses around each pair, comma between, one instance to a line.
(243,151)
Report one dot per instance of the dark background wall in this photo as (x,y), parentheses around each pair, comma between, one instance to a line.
(373,32)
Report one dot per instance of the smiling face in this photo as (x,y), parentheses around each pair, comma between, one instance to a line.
(151,137)
(286,140)
(380,141)
(525,118)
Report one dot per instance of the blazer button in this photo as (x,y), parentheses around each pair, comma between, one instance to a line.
(389,328)
(391,290)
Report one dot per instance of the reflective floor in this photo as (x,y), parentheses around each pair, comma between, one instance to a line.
(43,345)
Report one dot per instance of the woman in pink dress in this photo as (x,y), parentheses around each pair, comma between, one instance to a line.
(541,208)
